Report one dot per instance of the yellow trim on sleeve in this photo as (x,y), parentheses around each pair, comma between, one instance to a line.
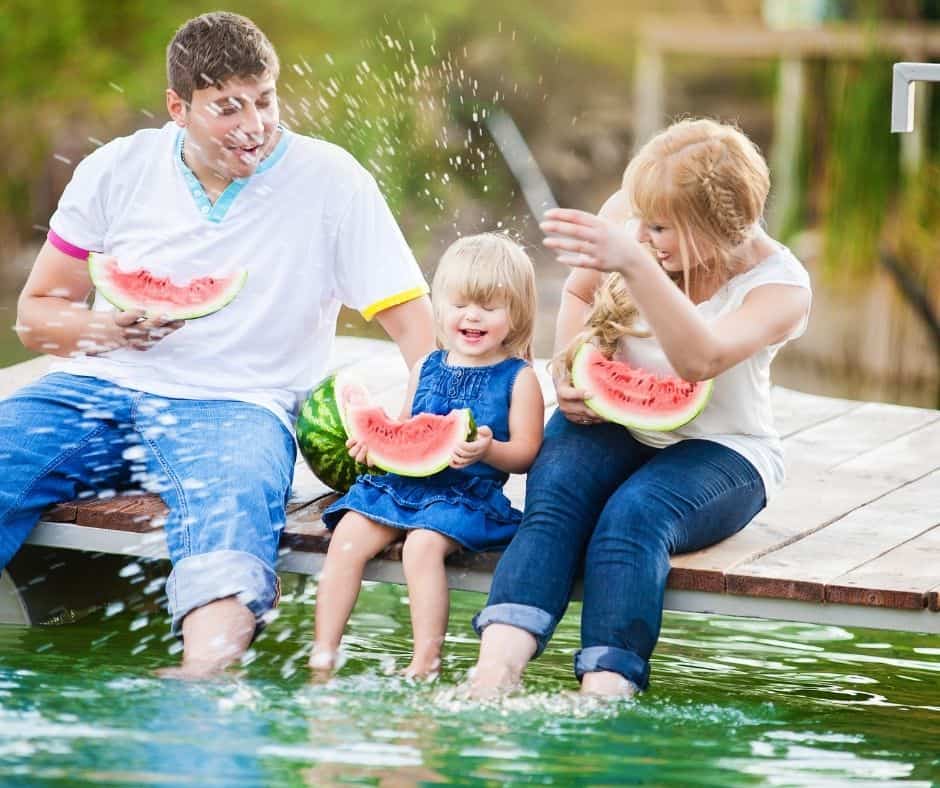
(399,298)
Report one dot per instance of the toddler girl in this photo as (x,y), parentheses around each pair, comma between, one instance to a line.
(484,304)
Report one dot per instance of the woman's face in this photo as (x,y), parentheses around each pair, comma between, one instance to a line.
(663,239)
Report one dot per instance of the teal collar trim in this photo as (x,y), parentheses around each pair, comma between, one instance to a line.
(216,212)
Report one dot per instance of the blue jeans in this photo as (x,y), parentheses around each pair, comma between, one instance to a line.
(223,468)
(601,503)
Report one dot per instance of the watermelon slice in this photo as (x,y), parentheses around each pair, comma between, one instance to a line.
(322,430)
(140,289)
(419,446)
(635,397)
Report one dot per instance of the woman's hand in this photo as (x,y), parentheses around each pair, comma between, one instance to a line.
(571,403)
(138,332)
(470,452)
(584,240)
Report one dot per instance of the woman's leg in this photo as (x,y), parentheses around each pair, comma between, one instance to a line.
(690,495)
(428,597)
(356,540)
(576,471)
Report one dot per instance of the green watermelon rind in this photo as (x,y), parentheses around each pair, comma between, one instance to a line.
(321,436)
(96,263)
(466,429)
(580,379)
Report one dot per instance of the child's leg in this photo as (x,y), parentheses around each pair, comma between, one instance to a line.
(356,540)
(423,561)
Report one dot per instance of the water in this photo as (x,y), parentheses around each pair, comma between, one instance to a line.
(733,702)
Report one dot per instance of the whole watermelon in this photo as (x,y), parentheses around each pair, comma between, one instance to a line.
(321,432)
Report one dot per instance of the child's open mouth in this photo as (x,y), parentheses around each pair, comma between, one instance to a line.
(472,333)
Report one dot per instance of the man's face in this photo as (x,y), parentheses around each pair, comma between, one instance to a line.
(229,129)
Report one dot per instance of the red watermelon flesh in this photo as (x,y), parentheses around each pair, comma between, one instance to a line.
(159,295)
(636,397)
(419,446)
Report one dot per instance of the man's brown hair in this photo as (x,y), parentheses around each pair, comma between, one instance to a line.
(212,48)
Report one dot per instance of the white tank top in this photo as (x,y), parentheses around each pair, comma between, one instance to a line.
(739,414)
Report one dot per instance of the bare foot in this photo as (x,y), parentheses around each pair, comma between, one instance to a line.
(607,684)
(423,669)
(505,651)
(488,681)
(324,664)
(192,671)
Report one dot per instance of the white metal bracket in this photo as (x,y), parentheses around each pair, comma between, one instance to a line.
(902,91)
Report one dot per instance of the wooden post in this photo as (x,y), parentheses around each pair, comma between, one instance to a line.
(788,132)
(648,87)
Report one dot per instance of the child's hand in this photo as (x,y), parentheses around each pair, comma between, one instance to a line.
(358,451)
(588,241)
(470,452)
(571,403)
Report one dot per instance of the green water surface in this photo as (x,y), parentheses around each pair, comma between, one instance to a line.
(733,702)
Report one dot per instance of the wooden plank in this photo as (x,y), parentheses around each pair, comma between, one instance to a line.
(858,431)
(933,598)
(887,580)
(905,458)
(812,498)
(802,569)
(131,512)
(708,36)
(795,411)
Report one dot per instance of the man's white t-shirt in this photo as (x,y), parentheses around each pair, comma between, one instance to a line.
(310,227)
(739,413)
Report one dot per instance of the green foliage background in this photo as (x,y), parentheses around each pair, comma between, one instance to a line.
(376,76)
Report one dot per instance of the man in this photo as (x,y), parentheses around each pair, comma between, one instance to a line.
(201,411)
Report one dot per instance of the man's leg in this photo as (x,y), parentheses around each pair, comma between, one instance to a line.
(224,469)
(60,438)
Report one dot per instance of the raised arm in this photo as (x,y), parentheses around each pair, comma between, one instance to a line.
(696,349)
(53,314)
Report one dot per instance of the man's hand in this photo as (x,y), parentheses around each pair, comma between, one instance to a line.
(139,332)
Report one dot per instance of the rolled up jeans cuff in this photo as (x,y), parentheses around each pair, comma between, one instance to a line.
(616,660)
(200,579)
(533,620)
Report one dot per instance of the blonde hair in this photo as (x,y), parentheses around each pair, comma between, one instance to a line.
(708,181)
(613,315)
(488,268)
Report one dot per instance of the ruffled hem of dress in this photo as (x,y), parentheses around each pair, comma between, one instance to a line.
(481,495)
(472,548)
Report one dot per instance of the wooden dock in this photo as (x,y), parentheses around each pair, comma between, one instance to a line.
(853,539)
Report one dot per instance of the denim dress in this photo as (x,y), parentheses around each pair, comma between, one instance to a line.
(465,504)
